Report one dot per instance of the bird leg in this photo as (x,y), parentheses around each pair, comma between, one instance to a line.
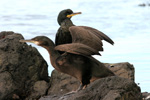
(80,88)
(73,92)
(84,86)
(69,93)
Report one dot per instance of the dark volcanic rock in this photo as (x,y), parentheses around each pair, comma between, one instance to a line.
(144,4)
(125,70)
(63,83)
(110,88)
(5,33)
(146,96)
(39,89)
(20,67)
(24,76)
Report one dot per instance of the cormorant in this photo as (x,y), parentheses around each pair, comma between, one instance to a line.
(77,43)
(76,61)
(63,35)
(68,29)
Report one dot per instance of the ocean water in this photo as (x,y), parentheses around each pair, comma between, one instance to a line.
(123,20)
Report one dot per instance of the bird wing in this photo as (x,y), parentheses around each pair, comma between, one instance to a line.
(99,34)
(89,36)
(77,48)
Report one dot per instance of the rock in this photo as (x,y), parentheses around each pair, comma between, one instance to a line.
(39,89)
(125,88)
(24,76)
(125,70)
(5,33)
(20,67)
(63,83)
(110,88)
(142,5)
(145,96)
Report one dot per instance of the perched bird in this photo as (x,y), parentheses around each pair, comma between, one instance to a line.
(74,45)
(76,61)
(69,33)
(63,35)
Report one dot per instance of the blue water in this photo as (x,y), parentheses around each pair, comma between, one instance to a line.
(123,20)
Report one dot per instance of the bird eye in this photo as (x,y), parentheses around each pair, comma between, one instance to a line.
(44,43)
(68,13)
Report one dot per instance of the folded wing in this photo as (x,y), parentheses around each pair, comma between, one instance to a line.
(77,48)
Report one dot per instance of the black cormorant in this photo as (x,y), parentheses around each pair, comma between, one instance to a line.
(68,31)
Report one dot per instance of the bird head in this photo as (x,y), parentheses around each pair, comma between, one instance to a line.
(40,41)
(66,14)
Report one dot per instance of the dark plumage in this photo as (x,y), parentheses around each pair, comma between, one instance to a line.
(69,33)
(76,62)
(63,35)
(77,43)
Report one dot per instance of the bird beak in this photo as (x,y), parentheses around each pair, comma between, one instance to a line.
(73,14)
(30,41)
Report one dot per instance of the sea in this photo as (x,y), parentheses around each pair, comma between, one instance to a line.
(124,21)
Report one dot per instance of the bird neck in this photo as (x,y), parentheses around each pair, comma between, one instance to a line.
(54,54)
(66,23)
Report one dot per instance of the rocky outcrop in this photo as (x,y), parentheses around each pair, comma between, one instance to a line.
(63,83)
(145,96)
(24,76)
(125,70)
(38,89)
(110,88)
(144,4)
(121,88)
(21,67)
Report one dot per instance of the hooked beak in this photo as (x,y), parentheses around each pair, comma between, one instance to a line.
(73,14)
(30,41)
